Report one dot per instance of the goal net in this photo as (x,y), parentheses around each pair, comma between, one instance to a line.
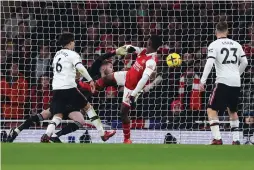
(172,103)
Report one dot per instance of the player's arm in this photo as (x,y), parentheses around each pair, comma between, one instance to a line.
(154,83)
(209,64)
(76,61)
(150,67)
(243,61)
(95,68)
(131,49)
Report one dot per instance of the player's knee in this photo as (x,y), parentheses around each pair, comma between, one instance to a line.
(211,112)
(208,110)
(45,114)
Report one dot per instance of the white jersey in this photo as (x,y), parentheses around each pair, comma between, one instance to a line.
(227,54)
(64,64)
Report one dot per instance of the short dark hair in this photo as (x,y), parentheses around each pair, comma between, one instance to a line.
(222,27)
(106,62)
(156,41)
(66,38)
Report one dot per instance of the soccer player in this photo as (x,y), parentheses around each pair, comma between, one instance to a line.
(67,99)
(226,54)
(106,68)
(133,80)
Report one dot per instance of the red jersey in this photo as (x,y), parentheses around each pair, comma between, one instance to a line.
(136,71)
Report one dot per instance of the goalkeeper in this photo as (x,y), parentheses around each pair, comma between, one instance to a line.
(45,114)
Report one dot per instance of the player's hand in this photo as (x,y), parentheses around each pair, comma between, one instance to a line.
(130,48)
(132,102)
(92,84)
(202,87)
(121,51)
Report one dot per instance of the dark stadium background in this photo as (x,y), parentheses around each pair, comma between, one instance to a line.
(30,30)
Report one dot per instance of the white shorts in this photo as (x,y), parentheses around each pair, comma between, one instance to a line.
(126,96)
(120,77)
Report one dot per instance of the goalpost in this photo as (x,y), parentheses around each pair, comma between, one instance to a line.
(172,103)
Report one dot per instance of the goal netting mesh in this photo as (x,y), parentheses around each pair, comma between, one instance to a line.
(171,104)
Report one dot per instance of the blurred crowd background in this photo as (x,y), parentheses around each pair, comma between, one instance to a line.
(29,33)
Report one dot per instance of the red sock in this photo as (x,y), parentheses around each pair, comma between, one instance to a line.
(126,130)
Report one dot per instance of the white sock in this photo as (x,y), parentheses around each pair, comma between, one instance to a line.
(215,129)
(17,130)
(52,127)
(54,135)
(97,122)
(235,129)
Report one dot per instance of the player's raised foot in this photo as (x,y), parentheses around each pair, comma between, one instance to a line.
(45,138)
(55,140)
(127,141)
(236,142)
(12,136)
(107,135)
(217,142)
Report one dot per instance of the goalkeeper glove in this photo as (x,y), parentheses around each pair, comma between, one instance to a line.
(121,51)
(130,48)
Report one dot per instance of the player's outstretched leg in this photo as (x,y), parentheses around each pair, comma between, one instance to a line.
(29,122)
(105,81)
(71,127)
(234,124)
(105,135)
(125,109)
(78,117)
(214,125)
(51,127)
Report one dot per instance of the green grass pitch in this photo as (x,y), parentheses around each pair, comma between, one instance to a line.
(35,156)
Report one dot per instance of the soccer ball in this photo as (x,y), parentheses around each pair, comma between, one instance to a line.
(174,60)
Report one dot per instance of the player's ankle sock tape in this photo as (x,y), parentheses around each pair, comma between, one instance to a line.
(91,114)
(51,122)
(214,122)
(52,125)
(55,121)
(94,118)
